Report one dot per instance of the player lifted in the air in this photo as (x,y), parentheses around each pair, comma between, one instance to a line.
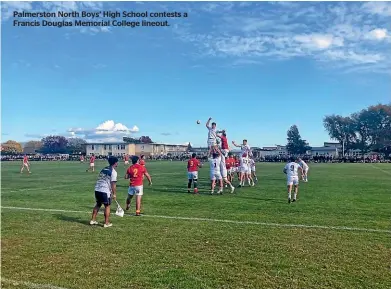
(214,157)
(212,133)
(192,172)
(292,169)
(305,167)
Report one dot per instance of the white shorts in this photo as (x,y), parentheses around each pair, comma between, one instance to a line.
(126,162)
(224,173)
(215,176)
(92,165)
(138,191)
(25,165)
(192,175)
(292,181)
(230,171)
(253,169)
(244,169)
(305,170)
(211,142)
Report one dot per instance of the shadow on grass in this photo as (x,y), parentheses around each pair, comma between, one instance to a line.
(73,219)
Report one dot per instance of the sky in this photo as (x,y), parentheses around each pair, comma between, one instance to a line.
(256,68)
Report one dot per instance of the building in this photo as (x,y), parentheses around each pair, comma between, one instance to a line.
(324,151)
(124,148)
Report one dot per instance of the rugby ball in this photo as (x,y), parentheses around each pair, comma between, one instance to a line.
(198,122)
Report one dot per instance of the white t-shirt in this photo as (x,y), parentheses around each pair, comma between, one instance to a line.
(251,163)
(303,164)
(105,178)
(245,150)
(215,164)
(212,134)
(292,169)
(244,162)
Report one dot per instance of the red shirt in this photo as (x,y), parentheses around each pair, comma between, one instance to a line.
(126,158)
(192,165)
(224,143)
(237,163)
(82,158)
(92,159)
(136,173)
(25,159)
(228,163)
(142,162)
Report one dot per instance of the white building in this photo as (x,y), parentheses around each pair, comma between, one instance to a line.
(324,151)
(123,148)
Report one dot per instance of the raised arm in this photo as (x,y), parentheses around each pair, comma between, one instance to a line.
(238,146)
(208,122)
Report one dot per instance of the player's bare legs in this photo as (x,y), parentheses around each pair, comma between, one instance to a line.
(249,180)
(189,185)
(289,193)
(212,186)
(255,178)
(95,213)
(221,183)
(128,200)
(138,205)
(296,192)
(227,181)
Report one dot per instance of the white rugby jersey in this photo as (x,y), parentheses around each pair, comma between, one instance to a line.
(215,164)
(245,149)
(212,134)
(303,164)
(105,178)
(292,169)
(252,163)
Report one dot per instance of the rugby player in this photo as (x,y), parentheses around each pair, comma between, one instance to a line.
(136,174)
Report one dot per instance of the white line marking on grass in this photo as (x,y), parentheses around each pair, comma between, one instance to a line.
(386,172)
(30,285)
(340,228)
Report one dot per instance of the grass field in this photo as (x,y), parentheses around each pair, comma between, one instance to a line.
(338,235)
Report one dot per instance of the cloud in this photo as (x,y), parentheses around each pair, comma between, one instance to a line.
(106,131)
(318,41)
(166,133)
(380,8)
(343,34)
(378,33)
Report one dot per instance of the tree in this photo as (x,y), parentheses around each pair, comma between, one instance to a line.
(296,145)
(145,139)
(380,128)
(341,129)
(76,145)
(189,148)
(32,147)
(54,144)
(11,147)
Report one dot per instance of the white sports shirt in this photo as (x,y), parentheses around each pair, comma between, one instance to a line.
(303,164)
(215,164)
(292,169)
(212,134)
(105,178)
(245,149)
(251,163)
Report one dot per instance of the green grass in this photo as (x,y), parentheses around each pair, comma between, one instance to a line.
(61,249)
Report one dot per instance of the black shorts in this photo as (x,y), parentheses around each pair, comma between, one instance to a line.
(101,198)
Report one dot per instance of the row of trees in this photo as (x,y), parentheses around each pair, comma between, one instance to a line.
(48,145)
(54,144)
(366,130)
